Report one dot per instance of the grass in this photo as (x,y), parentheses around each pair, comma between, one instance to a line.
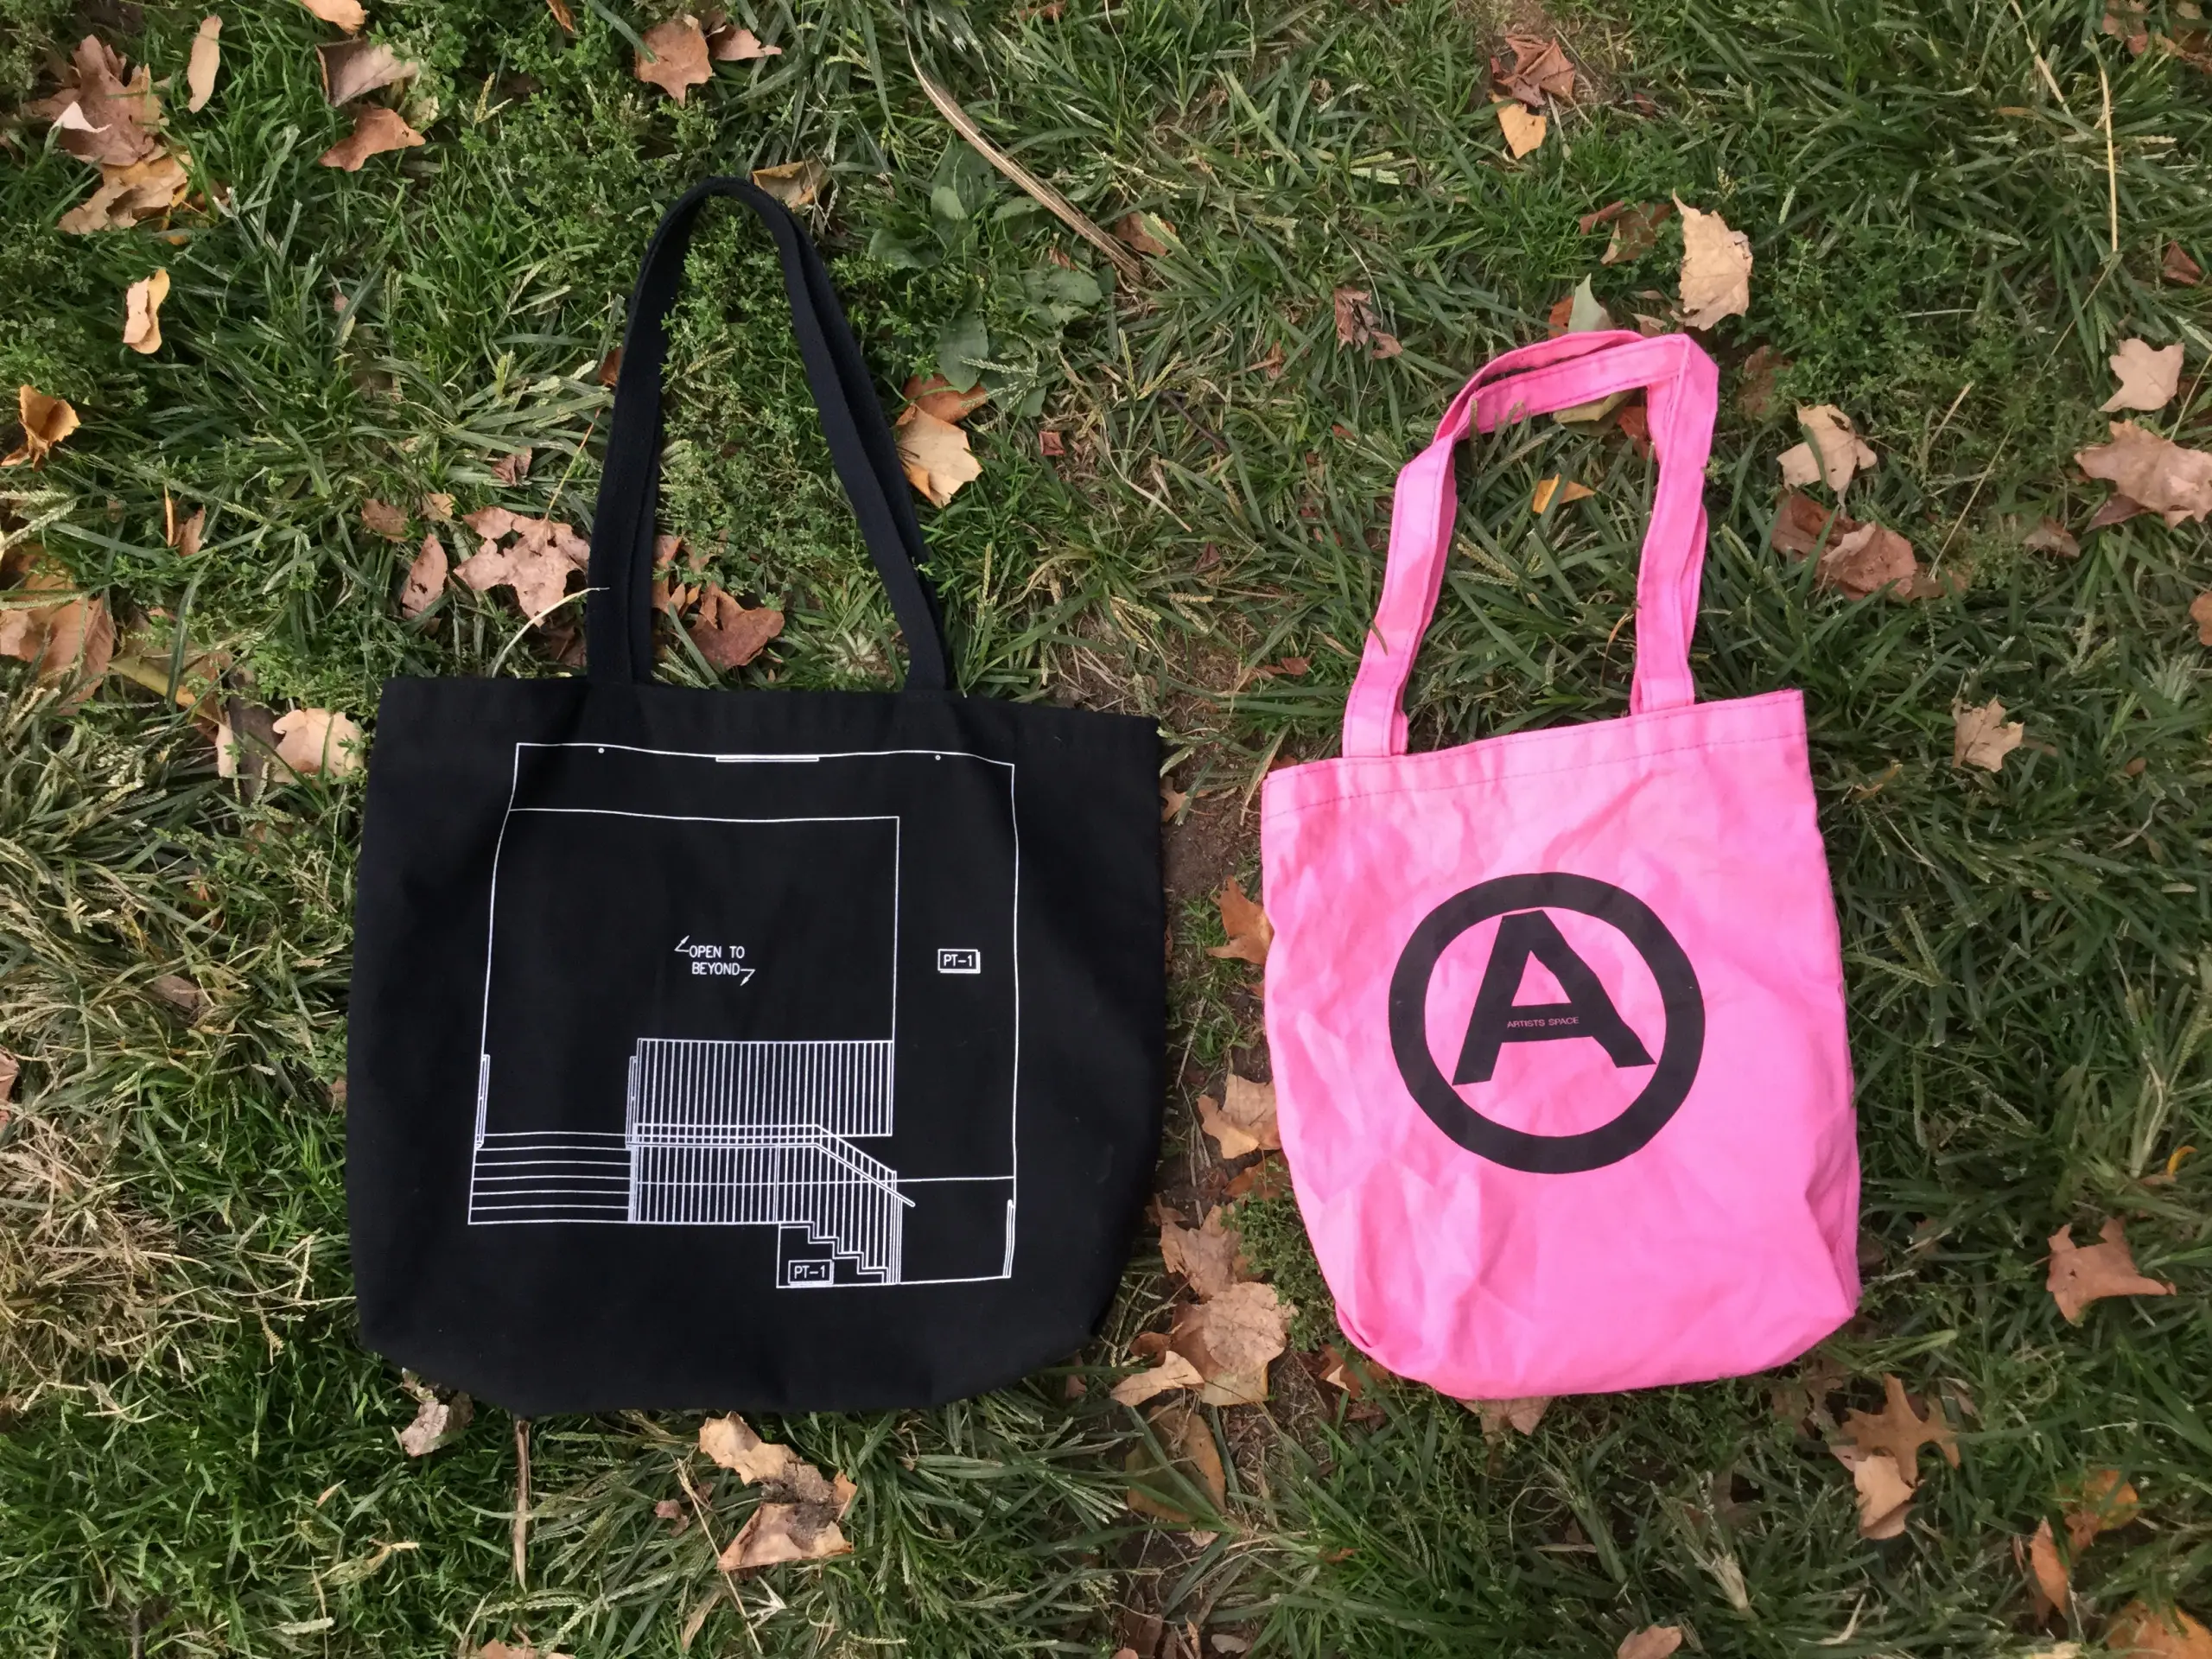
(198,1458)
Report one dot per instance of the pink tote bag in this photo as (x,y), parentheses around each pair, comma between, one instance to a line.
(1557,1017)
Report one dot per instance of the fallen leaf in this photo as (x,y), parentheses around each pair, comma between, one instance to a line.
(1884,1496)
(2152,470)
(610,369)
(351,68)
(731,1443)
(46,421)
(1230,1338)
(796,1520)
(939,398)
(2200,612)
(2081,1273)
(1174,1371)
(508,1650)
(793,183)
(1134,230)
(1553,491)
(1901,1432)
(1187,1439)
(71,637)
(1868,560)
(437,507)
(511,467)
(1540,66)
(2047,1573)
(319,740)
(935,454)
(383,519)
(730,635)
(1983,737)
(1833,453)
(426,578)
(1755,389)
(1716,280)
(2117,509)
(562,15)
(207,58)
(1523,131)
(2103,1503)
(1521,1415)
(2179,269)
(1655,1642)
(344,14)
(375,131)
(10,1069)
(2148,378)
(1635,232)
(1244,1121)
(2136,1630)
(734,43)
(1265,1180)
(674,58)
(181,994)
(1357,323)
(437,1422)
(1206,1256)
(142,313)
(1803,526)
(181,533)
(101,118)
(536,565)
(2050,536)
(776,1533)
(1246,924)
(142,190)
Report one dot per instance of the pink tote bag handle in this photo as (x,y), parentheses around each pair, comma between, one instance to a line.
(1553,374)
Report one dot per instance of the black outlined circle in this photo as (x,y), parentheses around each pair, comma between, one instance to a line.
(1548,1154)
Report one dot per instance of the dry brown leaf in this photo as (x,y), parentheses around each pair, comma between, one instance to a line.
(2047,1577)
(437,1422)
(2148,378)
(2178,268)
(1134,231)
(1884,1496)
(351,68)
(1174,1371)
(319,740)
(1357,323)
(1187,1439)
(730,635)
(2081,1273)
(674,58)
(509,1650)
(2154,471)
(181,532)
(561,15)
(385,519)
(68,639)
(1250,932)
(1540,66)
(1655,1642)
(1716,280)
(935,454)
(145,189)
(102,116)
(1755,389)
(1983,737)
(536,565)
(797,1520)
(1206,1256)
(793,183)
(344,14)
(511,467)
(1804,526)
(1832,453)
(2200,612)
(2050,536)
(731,1443)
(375,131)
(1243,1121)
(10,1069)
(181,994)
(1870,559)
(437,507)
(1265,1180)
(1231,1338)
(46,422)
(2137,1630)
(1901,1432)
(142,313)
(426,578)
(207,58)
(1635,231)
(1521,1415)
(1555,491)
(1523,131)
(2104,1501)
(733,43)
(938,396)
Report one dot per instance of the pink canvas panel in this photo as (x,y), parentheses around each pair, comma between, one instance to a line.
(1557,1018)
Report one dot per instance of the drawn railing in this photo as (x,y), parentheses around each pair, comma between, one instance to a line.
(842,1087)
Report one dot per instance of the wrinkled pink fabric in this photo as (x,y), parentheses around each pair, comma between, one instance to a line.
(1623,1219)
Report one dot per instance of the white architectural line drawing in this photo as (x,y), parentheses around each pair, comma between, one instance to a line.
(739,1133)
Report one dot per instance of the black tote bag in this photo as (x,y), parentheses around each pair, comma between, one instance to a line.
(790,1050)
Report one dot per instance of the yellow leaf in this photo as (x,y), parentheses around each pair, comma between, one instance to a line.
(1983,737)
(207,58)
(935,454)
(1716,279)
(1524,130)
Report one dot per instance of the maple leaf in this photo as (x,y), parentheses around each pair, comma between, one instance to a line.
(1885,1495)
(426,578)
(319,740)
(1243,1121)
(1716,277)
(536,565)
(207,58)
(2137,1632)
(1523,131)
(2104,1501)
(1357,324)
(1206,1256)
(1174,1371)
(2155,473)
(1134,231)
(793,183)
(437,1422)
(1230,1338)
(728,635)
(144,189)
(353,68)
(1521,1414)
(1982,736)
(1250,932)
(936,455)
(1901,1432)
(733,43)
(142,313)
(1871,559)
(1804,526)
(2081,1273)
(2178,268)
(100,117)
(383,519)
(1655,1642)
(2148,378)
(675,57)
(1635,228)
(1833,453)
(1540,66)
(376,130)
(46,421)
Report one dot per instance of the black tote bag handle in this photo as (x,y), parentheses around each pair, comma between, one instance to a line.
(618,612)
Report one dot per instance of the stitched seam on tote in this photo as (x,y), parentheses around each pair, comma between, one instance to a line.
(1534,771)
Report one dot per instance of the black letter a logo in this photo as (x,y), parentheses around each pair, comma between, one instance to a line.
(1587,1012)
